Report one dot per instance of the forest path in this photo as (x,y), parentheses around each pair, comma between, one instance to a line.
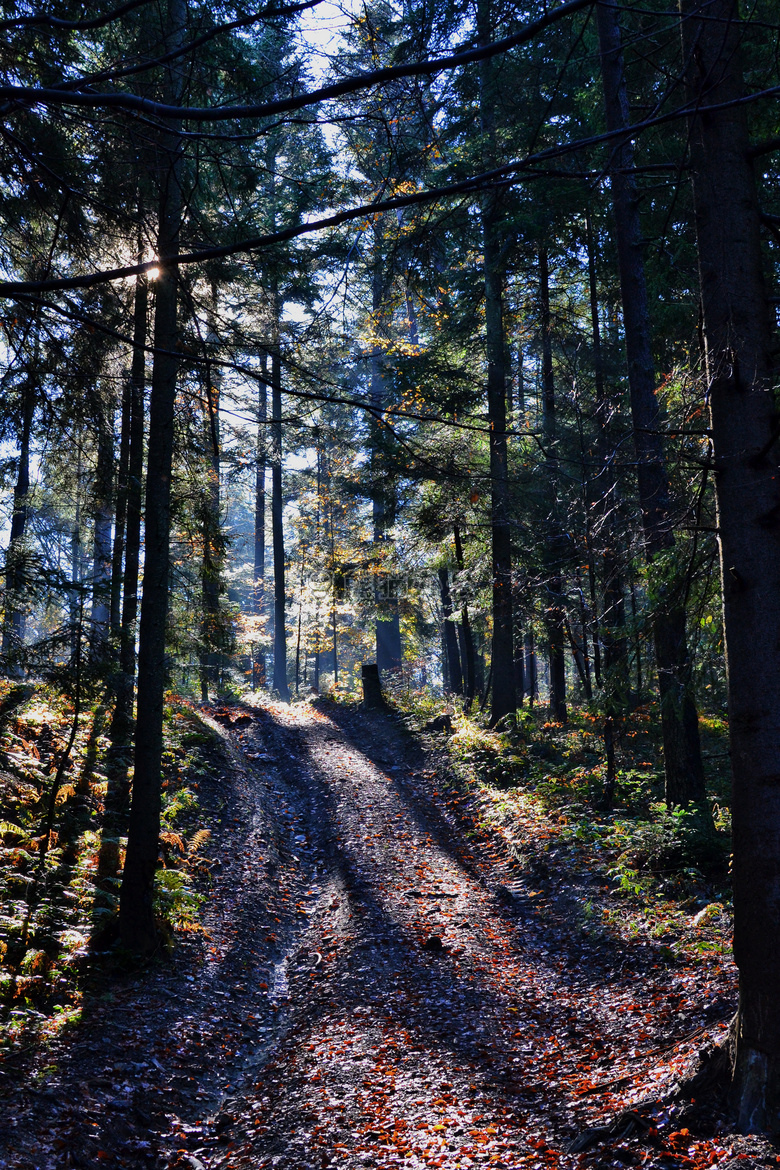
(377,988)
(442,1011)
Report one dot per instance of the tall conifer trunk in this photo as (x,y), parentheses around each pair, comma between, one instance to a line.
(277,531)
(120,515)
(103,515)
(555,617)
(450,636)
(744,420)
(683,769)
(503,663)
(258,590)
(532,682)
(613,621)
(136,901)
(389,651)
(465,635)
(212,539)
(13,627)
(122,723)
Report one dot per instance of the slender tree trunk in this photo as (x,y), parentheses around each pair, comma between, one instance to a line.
(465,636)
(137,923)
(580,661)
(504,698)
(212,543)
(612,627)
(300,627)
(682,753)
(258,591)
(640,685)
(101,543)
(122,722)
(120,515)
(555,618)
(277,531)
(13,627)
(124,590)
(521,683)
(389,651)
(317,632)
(530,669)
(502,659)
(584,634)
(744,423)
(75,599)
(450,635)
(334,632)
(333,606)
(609,752)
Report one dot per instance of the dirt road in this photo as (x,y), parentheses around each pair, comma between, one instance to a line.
(442,1010)
(376,990)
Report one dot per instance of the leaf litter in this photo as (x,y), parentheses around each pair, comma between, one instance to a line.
(378,984)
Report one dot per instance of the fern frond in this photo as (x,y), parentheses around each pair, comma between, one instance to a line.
(200,838)
(9,829)
(168,838)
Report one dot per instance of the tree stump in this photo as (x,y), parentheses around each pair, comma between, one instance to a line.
(372,686)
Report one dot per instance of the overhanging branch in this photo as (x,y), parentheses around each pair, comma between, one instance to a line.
(32,96)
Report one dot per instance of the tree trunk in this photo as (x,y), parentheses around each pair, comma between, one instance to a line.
(521,683)
(333,601)
(530,669)
(389,651)
(450,634)
(75,595)
(277,531)
(555,617)
(640,686)
(465,637)
(258,590)
(300,626)
(372,686)
(502,658)
(101,542)
(743,417)
(683,769)
(122,722)
(504,698)
(211,567)
(612,627)
(334,633)
(13,626)
(587,683)
(137,923)
(120,515)
(125,547)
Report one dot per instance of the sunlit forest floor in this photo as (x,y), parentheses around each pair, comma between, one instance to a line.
(384,946)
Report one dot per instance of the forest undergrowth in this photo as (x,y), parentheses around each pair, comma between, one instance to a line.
(539,789)
(58,904)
